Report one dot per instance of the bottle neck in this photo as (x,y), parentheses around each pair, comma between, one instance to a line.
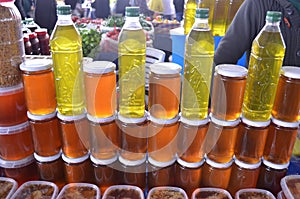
(201,23)
(272,26)
(132,23)
(64,20)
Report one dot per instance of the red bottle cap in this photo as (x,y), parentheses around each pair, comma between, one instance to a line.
(32,35)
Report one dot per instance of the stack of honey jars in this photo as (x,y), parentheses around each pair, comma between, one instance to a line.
(38,80)
(163,107)
(282,130)
(102,130)
(16,146)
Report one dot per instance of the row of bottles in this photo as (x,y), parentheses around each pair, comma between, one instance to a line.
(37,43)
(221,14)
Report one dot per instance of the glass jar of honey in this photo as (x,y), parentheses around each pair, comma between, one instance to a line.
(16,142)
(75,135)
(243,176)
(45,134)
(78,169)
(100,92)
(51,169)
(38,79)
(280,141)
(160,174)
(12,105)
(164,90)
(162,142)
(190,141)
(134,139)
(220,139)
(251,139)
(105,139)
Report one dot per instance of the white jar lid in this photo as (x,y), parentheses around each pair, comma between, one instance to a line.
(11,90)
(132,162)
(8,164)
(164,121)
(14,129)
(223,122)
(245,165)
(44,159)
(99,67)
(103,161)
(194,122)
(256,123)
(36,65)
(75,160)
(231,70)
(161,164)
(285,124)
(70,118)
(218,165)
(190,164)
(40,117)
(132,120)
(275,166)
(291,71)
(100,120)
(165,68)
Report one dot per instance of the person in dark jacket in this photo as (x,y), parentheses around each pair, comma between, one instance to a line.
(248,22)
(179,7)
(19,5)
(45,14)
(102,8)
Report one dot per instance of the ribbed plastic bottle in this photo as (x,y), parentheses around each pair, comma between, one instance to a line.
(267,53)
(66,48)
(132,56)
(189,15)
(198,63)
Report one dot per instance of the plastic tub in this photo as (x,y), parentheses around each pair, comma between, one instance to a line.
(254,193)
(290,186)
(79,190)
(167,192)
(7,187)
(216,193)
(123,191)
(36,189)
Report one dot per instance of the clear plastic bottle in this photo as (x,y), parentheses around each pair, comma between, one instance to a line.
(189,15)
(66,47)
(199,52)
(210,4)
(267,53)
(220,17)
(132,56)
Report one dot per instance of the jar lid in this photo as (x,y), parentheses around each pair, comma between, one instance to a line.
(8,164)
(273,16)
(202,13)
(36,65)
(103,161)
(246,165)
(132,11)
(165,68)
(63,9)
(218,165)
(44,159)
(194,122)
(231,70)
(75,160)
(161,164)
(164,121)
(41,117)
(100,120)
(275,166)
(291,71)
(99,67)
(223,122)
(255,123)
(131,162)
(285,124)
(14,129)
(11,90)
(132,120)
(190,164)
(70,118)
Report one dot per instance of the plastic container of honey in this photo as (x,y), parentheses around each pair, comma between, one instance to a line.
(12,105)
(45,134)
(80,190)
(7,187)
(16,142)
(38,79)
(123,191)
(166,192)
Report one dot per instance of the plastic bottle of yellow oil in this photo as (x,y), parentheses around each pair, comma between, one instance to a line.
(189,15)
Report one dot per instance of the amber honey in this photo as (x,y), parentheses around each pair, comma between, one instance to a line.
(220,139)
(280,141)
(21,170)
(38,79)
(243,176)
(188,178)
(105,136)
(134,139)
(12,105)
(105,173)
(75,135)
(287,99)
(16,142)
(270,176)
(78,169)
(216,174)
(161,175)
(191,136)
(162,142)
(251,139)
(100,88)
(51,169)
(164,90)
(45,134)
(228,91)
